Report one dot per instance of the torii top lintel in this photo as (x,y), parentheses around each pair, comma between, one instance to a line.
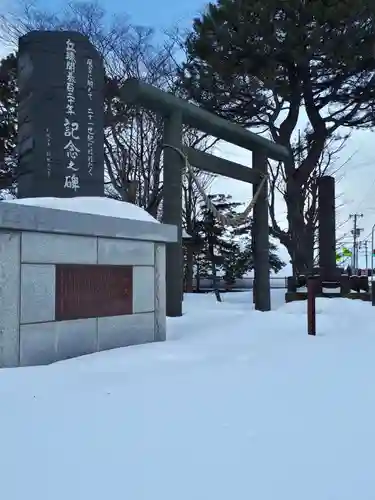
(164,103)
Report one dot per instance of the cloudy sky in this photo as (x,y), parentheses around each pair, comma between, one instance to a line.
(356,189)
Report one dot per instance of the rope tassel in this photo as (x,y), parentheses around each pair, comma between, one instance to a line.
(226,220)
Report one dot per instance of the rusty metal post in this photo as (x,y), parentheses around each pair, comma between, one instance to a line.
(311,309)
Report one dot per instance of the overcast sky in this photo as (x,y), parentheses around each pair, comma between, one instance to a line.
(356,189)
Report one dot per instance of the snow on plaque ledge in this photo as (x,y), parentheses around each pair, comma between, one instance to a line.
(90,205)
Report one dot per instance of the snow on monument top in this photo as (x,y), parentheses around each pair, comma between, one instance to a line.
(90,205)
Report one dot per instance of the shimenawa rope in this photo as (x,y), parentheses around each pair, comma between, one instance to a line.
(226,220)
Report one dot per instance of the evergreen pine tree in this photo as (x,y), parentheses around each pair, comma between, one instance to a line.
(213,235)
(281,67)
(226,249)
(8,121)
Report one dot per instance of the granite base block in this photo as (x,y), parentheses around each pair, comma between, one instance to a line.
(37,293)
(143,289)
(45,343)
(10,276)
(160,294)
(123,331)
(48,248)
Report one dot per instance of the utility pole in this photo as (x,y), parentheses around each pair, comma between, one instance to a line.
(365,243)
(356,231)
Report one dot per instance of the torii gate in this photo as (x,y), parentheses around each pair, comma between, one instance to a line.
(177,112)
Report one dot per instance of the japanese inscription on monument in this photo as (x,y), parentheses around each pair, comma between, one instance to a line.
(90,118)
(61,129)
(93,291)
(71,127)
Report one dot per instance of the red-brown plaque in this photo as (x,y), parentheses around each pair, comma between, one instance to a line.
(93,291)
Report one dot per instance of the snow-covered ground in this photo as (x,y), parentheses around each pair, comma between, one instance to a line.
(236,405)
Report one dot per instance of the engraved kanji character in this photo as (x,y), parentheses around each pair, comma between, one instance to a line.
(70,56)
(72,182)
(71,78)
(72,167)
(70,110)
(70,46)
(70,87)
(70,67)
(71,150)
(70,129)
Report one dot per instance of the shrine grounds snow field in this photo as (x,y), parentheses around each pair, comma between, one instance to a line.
(237,404)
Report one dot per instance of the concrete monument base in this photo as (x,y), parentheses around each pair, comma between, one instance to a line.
(75,283)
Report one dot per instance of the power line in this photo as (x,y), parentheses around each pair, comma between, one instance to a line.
(367,194)
(368,236)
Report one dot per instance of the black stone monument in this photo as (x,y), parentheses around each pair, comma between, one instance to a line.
(61,113)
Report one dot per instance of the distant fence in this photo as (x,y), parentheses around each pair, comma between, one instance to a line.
(240,284)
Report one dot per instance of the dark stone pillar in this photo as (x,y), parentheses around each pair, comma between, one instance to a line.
(260,239)
(327,227)
(61,128)
(172,212)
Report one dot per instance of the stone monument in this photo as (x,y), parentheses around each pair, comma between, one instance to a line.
(61,113)
(72,282)
(75,283)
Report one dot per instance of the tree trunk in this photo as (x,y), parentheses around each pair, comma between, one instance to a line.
(197,276)
(310,245)
(189,268)
(215,280)
(300,242)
